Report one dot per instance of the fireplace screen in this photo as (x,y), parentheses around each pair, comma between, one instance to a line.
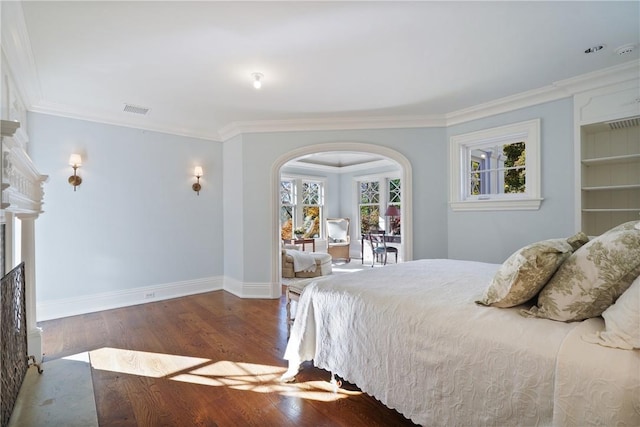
(13,339)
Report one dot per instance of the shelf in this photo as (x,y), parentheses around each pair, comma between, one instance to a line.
(612,210)
(612,187)
(629,158)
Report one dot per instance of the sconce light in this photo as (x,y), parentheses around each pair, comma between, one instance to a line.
(257,80)
(196,186)
(75,161)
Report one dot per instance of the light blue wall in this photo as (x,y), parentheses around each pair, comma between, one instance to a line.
(233,208)
(134,221)
(426,149)
(493,236)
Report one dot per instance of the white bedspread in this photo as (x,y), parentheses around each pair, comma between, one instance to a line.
(412,336)
(596,385)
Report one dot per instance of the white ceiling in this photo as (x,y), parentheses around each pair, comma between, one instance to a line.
(190,62)
(341,161)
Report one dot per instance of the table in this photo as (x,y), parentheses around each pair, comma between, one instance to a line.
(388,238)
(302,242)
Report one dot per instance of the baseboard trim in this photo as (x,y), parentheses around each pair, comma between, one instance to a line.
(55,309)
(252,290)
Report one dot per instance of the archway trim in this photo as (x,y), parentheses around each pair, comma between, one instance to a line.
(406,205)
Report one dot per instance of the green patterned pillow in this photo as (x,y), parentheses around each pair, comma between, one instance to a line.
(526,271)
(593,277)
(625,226)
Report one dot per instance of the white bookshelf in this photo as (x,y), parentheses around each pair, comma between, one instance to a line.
(610,175)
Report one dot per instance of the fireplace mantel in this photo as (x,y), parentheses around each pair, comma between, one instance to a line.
(22,191)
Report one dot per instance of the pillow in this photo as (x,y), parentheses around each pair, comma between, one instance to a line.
(593,277)
(622,321)
(625,226)
(527,270)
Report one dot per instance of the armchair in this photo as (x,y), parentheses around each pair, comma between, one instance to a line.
(338,239)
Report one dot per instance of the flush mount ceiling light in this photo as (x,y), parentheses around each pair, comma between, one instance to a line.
(257,80)
(594,49)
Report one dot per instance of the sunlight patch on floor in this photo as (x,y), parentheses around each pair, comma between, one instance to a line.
(253,377)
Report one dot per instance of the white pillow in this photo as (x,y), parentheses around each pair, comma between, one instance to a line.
(622,322)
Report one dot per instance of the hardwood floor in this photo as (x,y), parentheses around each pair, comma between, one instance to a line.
(211,359)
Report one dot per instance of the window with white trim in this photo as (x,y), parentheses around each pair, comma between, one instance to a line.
(301,207)
(496,169)
(375,195)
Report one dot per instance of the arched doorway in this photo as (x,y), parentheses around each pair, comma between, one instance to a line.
(406,204)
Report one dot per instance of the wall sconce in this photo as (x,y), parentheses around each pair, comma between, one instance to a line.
(196,186)
(75,161)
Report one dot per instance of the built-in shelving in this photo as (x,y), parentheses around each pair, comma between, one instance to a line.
(612,187)
(610,180)
(612,210)
(629,158)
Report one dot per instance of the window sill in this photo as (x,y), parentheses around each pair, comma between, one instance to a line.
(497,205)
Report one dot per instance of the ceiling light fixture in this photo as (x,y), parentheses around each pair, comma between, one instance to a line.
(594,49)
(257,80)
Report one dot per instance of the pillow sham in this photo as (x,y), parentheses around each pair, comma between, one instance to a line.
(527,270)
(592,278)
(622,321)
(625,226)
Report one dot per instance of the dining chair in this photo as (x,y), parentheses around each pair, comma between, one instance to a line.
(379,248)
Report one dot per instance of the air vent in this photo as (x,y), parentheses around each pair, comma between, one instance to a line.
(626,49)
(625,123)
(135,109)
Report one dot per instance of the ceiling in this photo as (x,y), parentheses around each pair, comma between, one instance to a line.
(190,63)
(341,161)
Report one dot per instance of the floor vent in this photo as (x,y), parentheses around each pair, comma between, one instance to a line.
(128,108)
(625,123)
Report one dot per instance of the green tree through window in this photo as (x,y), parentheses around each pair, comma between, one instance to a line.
(514,179)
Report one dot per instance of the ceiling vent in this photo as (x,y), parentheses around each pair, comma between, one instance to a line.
(624,123)
(135,109)
(626,49)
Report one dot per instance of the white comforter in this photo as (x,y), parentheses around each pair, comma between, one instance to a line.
(412,336)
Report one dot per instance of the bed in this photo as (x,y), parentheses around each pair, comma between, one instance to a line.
(412,336)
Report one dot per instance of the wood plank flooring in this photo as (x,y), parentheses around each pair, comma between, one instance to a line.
(211,359)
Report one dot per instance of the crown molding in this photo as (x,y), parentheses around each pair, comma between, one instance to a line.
(331,123)
(606,77)
(61,110)
(506,104)
(557,90)
(16,47)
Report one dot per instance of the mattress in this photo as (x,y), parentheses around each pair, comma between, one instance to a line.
(412,336)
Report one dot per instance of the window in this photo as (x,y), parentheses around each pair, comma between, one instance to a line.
(394,200)
(287,208)
(375,195)
(301,206)
(369,205)
(497,168)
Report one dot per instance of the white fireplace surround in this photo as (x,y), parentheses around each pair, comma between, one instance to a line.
(21,197)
